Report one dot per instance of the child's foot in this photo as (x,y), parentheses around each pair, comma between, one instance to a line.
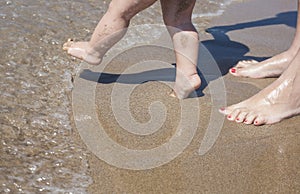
(185,85)
(272,67)
(278,101)
(83,51)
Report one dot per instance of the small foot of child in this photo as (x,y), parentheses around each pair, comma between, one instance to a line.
(185,85)
(83,51)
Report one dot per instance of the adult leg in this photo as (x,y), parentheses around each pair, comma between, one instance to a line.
(110,29)
(177,17)
(272,67)
(278,101)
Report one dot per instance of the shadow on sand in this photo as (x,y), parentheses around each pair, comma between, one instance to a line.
(216,56)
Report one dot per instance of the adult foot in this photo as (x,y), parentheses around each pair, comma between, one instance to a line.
(185,85)
(272,67)
(278,101)
(83,51)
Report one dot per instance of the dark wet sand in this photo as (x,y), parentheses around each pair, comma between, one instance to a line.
(244,159)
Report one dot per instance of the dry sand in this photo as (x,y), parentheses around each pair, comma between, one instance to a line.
(244,159)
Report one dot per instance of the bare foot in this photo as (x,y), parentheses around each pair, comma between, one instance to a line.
(185,85)
(278,101)
(83,51)
(272,67)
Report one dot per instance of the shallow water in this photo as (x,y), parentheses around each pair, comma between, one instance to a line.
(38,151)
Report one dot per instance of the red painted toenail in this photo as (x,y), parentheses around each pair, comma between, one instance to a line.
(233,70)
(229,116)
(246,121)
(222,109)
(237,119)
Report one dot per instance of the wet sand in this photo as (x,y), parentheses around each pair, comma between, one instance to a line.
(244,159)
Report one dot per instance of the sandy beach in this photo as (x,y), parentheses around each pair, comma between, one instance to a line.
(69,127)
(244,159)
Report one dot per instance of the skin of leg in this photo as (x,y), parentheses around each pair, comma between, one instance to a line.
(110,29)
(272,67)
(278,101)
(177,17)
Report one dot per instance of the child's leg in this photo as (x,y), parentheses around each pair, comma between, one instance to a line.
(177,17)
(111,28)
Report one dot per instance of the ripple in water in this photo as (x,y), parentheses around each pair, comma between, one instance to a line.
(38,150)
